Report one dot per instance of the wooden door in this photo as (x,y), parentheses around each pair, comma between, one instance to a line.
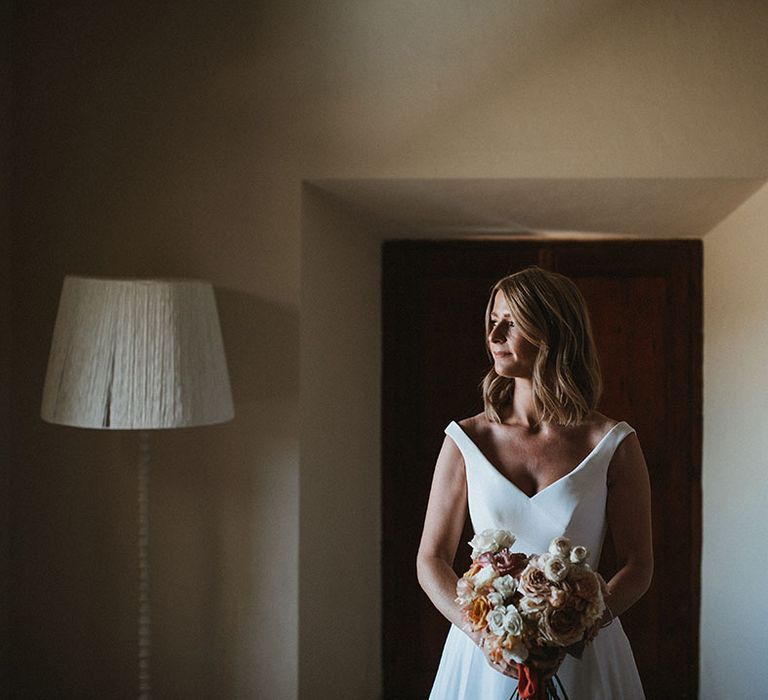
(645,305)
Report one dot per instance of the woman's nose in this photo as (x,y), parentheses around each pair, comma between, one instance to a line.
(498,333)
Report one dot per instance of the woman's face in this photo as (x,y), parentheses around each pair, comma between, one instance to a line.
(513,355)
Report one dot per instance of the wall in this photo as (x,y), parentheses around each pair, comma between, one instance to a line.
(173,139)
(147,143)
(5,327)
(735,456)
(340,526)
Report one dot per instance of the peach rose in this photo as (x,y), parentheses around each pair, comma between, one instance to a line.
(495,652)
(561,626)
(557,597)
(586,587)
(478,611)
(533,583)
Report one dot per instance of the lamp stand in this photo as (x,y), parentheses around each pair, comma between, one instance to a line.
(145,618)
(137,354)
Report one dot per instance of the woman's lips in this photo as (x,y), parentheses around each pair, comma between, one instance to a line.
(500,354)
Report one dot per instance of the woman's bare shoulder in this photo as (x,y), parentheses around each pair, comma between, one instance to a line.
(474,424)
(601,423)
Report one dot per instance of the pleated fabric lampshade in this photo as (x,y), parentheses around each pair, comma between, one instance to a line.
(136,354)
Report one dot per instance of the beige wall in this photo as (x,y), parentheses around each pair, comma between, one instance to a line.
(173,139)
(735,457)
(5,327)
(340,452)
(151,141)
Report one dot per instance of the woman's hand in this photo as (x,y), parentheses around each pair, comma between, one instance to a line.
(502,667)
(607,617)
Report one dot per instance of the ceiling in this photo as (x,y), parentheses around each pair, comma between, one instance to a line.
(603,207)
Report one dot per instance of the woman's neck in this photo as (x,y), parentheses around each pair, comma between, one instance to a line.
(522,410)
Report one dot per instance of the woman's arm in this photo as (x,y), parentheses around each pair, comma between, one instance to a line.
(443,525)
(629,518)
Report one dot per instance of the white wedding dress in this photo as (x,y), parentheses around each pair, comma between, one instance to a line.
(574,505)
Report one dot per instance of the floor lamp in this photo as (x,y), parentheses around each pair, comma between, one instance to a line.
(137,354)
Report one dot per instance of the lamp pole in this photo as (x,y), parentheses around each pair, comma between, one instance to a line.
(145,612)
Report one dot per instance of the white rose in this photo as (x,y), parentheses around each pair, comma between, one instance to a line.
(561,546)
(495,598)
(484,576)
(513,623)
(496,619)
(482,542)
(579,554)
(504,538)
(517,654)
(505,585)
(491,541)
(556,568)
(528,606)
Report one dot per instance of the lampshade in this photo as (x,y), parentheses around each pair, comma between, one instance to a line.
(136,354)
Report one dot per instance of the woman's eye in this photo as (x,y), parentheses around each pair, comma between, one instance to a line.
(493,323)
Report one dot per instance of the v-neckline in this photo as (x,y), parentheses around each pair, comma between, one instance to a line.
(565,476)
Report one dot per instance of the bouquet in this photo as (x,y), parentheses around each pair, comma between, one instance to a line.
(531,609)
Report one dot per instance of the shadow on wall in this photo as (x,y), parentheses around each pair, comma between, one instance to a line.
(261,341)
(217,492)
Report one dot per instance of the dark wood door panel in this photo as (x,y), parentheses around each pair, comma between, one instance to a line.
(645,304)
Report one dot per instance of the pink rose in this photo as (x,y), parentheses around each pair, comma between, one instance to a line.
(511,563)
(464,591)
(485,558)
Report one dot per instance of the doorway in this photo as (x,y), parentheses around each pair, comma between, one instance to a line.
(645,304)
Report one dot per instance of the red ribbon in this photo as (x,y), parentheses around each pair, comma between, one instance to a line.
(530,683)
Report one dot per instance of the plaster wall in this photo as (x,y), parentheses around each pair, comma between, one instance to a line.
(734,485)
(5,327)
(161,139)
(340,493)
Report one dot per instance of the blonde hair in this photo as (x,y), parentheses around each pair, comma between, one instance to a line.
(550,312)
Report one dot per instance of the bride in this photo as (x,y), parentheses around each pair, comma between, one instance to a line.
(512,467)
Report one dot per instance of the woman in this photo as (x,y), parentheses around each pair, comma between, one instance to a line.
(513,467)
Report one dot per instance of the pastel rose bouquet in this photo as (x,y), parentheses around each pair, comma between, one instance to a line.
(531,610)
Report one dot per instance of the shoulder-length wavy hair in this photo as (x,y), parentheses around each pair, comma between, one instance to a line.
(550,312)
